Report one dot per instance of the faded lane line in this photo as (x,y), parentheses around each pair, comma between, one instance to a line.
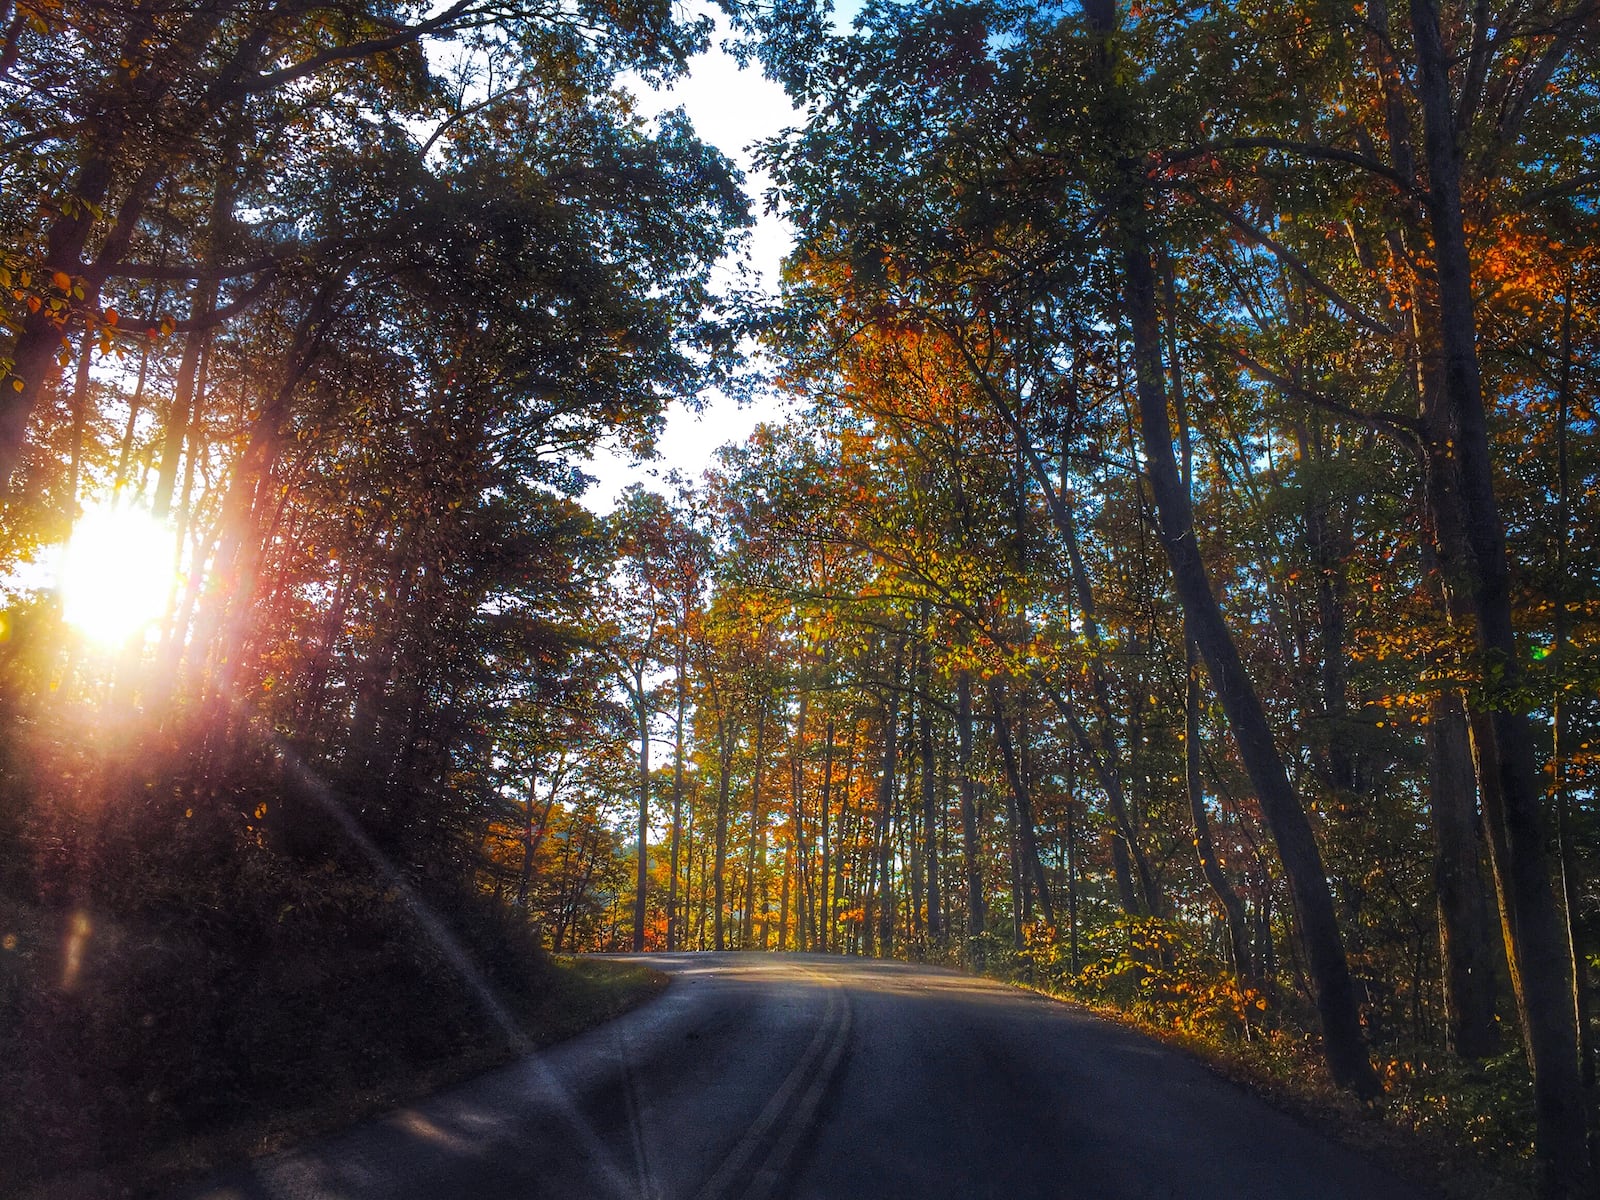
(818,1062)
(774,1169)
(638,1113)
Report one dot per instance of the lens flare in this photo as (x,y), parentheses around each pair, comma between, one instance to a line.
(116,574)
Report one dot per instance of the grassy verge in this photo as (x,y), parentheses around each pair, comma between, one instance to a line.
(582,993)
(177,1046)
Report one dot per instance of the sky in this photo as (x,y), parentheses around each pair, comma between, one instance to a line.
(731,109)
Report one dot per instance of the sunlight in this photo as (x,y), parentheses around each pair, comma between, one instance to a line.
(116,573)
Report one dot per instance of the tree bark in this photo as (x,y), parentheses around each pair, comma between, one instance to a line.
(797,817)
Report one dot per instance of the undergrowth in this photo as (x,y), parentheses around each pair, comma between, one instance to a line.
(178,990)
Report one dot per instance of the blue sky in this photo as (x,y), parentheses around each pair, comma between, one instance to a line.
(732,109)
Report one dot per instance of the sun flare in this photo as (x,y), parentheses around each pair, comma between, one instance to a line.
(116,573)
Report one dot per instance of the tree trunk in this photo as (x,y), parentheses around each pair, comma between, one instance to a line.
(1502,737)
(969,818)
(1031,867)
(758,833)
(797,816)
(674,847)
(930,840)
(1466,945)
(1297,848)
(719,870)
(825,919)
(642,877)
(1210,865)
(880,898)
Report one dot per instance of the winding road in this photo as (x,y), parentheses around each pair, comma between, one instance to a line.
(796,1077)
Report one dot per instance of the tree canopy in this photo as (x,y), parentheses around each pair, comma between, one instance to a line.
(1178,582)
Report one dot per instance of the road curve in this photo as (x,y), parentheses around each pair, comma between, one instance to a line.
(796,1077)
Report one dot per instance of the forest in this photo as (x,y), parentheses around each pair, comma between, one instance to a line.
(1177,586)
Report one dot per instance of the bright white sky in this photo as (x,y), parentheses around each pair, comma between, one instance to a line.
(731,109)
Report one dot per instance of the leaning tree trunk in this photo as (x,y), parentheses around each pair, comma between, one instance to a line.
(1333,986)
(1286,817)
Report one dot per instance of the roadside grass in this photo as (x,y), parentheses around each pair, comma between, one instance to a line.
(174,1053)
(581,994)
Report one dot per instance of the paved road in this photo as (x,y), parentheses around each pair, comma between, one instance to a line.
(760,1077)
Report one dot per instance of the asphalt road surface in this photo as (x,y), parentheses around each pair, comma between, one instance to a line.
(794,1077)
